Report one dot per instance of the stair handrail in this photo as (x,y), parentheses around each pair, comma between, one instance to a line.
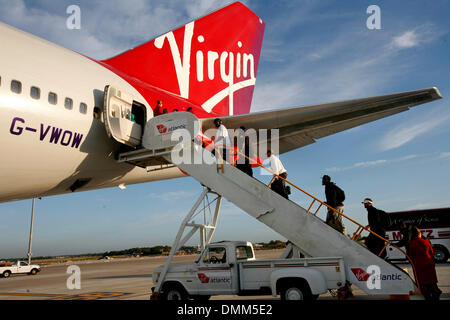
(360,229)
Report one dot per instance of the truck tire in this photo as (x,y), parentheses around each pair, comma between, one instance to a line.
(34,272)
(440,254)
(6,274)
(173,291)
(295,291)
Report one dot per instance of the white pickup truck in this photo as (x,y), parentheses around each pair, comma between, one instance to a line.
(19,267)
(230,268)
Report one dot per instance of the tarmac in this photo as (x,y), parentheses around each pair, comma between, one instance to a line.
(131,279)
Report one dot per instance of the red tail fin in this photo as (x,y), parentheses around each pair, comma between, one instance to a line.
(211,61)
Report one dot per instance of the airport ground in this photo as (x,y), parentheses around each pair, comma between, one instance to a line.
(131,279)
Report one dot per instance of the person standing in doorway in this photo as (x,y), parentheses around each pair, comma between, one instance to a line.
(159,108)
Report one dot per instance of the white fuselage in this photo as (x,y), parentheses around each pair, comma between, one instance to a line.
(47,147)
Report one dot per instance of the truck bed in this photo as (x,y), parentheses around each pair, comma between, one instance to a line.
(255,274)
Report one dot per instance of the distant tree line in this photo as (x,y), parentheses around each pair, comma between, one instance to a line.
(273,244)
(152,251)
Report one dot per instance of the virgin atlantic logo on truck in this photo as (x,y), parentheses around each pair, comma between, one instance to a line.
(203,278)
(161,128)
(362,275)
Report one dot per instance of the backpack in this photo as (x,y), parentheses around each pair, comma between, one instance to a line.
(385,219)
(340,194)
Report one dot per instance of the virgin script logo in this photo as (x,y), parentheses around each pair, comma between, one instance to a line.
(229,65)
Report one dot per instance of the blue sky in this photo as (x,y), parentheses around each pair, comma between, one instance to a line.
(313,52)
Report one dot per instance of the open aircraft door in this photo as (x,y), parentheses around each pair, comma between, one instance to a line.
(119,119)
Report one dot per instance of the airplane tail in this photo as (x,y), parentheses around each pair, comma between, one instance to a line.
(212,61)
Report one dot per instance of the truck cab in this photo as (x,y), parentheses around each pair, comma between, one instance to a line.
(217,266)
(230,268)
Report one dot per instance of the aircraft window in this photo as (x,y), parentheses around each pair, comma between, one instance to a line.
(52,98)
(16,86)
(68,103)
(35,92)
(83,108)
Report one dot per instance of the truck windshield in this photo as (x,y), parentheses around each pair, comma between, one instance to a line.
(215,255)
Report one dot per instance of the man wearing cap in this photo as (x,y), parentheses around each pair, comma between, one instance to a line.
(221,139)
(334,200)
(377,223)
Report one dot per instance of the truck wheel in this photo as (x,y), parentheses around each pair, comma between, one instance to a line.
(295,291)
(6,274)
(33,272)
(440,254)
(173,292)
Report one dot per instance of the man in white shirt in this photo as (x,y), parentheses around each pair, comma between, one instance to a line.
(278,185)
(221,139)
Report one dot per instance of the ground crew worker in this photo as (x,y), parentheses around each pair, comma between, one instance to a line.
(422,256)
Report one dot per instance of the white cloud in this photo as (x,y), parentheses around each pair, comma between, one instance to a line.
(408,39)
(172,195)
(107,28)
(420,35)
(379,162)
(369,163)
(444,155)
(276,95)
(408,131)
(358,165)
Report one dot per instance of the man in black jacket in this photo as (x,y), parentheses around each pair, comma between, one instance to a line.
(333,200)
(242,142)
(377,223)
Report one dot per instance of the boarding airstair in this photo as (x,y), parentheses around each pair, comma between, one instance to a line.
(301,226)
